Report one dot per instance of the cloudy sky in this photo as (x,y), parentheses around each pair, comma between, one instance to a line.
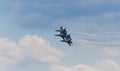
(27,41)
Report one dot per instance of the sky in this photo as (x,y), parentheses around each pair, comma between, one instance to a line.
(27,41)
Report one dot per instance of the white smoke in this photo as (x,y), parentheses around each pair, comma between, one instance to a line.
(105,39)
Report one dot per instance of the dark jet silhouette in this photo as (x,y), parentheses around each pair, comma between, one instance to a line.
(63,33)
(67,41)
(61,29)
(68,37)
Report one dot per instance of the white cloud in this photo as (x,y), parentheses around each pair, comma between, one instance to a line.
(109,65)
(103,65)
(60,68)
(11,52)
(111,51)
(79,67)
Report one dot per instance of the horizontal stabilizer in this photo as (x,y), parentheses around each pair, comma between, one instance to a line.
(58,30)
(58,35)
(64,41)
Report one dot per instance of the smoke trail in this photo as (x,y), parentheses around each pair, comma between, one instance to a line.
(100,35)
(98,40)
(88,42)
(101,38)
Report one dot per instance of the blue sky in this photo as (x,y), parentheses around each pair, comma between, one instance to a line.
(27,41)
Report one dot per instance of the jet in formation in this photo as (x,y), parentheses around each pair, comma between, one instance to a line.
(63,34)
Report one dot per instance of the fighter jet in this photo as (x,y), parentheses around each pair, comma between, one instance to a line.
(61,29)
(68,40)
(68,37)
(63,34)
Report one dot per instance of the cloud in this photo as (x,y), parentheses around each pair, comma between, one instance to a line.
(111,51)
(109,65)
(79,67)
(13,52)
(103,65)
